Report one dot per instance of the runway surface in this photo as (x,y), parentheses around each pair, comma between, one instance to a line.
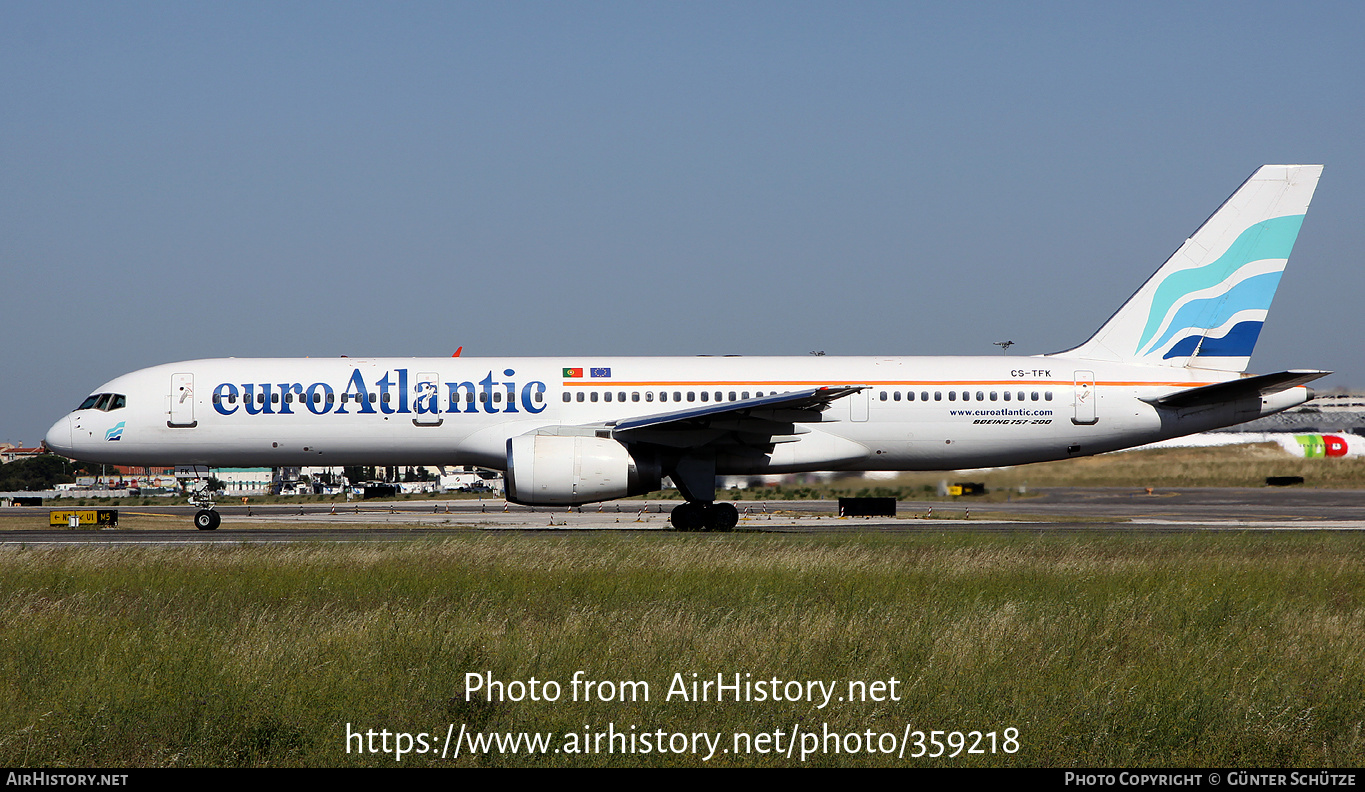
(1060,509)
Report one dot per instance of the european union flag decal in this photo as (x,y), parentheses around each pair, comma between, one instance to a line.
(601,372)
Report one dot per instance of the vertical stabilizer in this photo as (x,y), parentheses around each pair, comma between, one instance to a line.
(1205,307)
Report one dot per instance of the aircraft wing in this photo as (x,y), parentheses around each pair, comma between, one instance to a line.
(1232,390)
(758,421)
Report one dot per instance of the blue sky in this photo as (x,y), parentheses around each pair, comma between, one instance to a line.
(182,180)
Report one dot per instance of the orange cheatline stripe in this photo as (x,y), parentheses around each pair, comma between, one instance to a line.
(917,383)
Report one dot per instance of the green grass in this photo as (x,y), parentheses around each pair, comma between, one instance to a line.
(1221,649)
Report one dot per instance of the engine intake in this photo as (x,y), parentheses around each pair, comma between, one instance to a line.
(554,470)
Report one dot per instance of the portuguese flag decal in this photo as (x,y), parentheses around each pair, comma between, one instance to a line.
(570,373)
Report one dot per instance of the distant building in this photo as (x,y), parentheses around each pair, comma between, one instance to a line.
(12,453)
(236,481)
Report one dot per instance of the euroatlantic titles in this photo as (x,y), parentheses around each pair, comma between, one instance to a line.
(319,398)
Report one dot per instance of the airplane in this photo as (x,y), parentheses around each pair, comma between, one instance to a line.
(573,430)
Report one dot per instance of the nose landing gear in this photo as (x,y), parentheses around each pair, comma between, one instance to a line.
(206,519)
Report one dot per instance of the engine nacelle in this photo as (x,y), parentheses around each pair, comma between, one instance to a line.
(554,470)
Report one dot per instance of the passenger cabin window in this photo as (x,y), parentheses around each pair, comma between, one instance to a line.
(567,397)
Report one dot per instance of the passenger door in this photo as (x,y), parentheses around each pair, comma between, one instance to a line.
(1085,399)
(427,399)
(182,401)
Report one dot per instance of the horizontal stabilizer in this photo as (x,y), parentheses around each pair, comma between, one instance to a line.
(1233,390)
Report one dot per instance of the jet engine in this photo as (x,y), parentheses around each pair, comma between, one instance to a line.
(554,470)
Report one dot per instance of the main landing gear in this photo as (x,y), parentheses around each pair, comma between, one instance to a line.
(699,516)
(207,519)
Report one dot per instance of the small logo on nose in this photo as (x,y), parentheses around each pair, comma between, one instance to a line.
(116,432)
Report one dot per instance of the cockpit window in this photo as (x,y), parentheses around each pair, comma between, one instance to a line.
(104,401)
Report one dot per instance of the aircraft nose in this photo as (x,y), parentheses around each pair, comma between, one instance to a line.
(58,438)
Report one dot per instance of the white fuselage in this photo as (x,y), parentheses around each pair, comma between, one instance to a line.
(918,413)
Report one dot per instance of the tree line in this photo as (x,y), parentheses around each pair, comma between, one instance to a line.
(41,472)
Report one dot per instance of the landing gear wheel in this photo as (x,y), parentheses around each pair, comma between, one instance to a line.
(687,517)
(721,517)
(207,519)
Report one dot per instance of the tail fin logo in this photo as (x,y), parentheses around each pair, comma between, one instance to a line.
(1218,309)
(1205,306)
